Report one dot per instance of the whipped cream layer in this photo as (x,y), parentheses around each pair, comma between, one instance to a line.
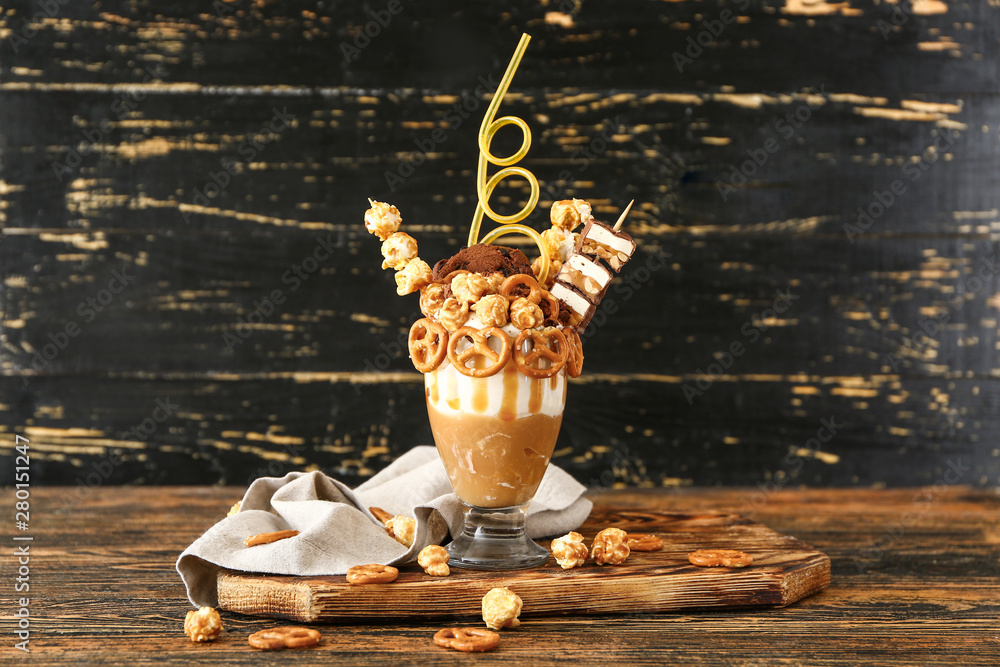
(509,394)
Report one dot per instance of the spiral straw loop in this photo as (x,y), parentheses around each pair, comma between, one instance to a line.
(486,138)
(485,186)
(495,180)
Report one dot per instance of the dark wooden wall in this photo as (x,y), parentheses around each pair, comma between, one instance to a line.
(749,134)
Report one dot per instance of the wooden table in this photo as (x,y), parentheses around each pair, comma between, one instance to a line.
(916,581)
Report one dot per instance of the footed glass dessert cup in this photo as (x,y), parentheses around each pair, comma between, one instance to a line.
(495,436)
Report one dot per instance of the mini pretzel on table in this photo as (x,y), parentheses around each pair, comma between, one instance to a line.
(373,573)
(467,639)
(286,636)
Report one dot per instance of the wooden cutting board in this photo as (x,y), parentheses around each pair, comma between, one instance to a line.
(784,571)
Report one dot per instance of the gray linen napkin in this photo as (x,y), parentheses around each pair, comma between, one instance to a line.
(336,531)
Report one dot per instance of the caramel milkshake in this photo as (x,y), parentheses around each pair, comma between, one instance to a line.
(496,348)
(495,434)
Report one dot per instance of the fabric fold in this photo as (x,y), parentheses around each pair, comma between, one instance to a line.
(336,530)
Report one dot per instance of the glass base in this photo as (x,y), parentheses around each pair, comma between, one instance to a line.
(495,539)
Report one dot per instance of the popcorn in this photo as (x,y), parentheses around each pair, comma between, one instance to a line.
(569,550)
(414,275)
(610,546)
(453,314)
(203,625)
(492,310)
(398,249)
(501,608)
(554,266)
(568,213)
(431,299)
(555,241)
(524,314)
(235,509)
(402,529)
(495,281)
(469,287)
(434,560)
(382,219)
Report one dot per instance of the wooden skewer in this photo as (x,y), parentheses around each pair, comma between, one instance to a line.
(618,225)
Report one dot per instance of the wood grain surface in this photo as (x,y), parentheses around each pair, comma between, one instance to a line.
(783,571)
(167,167)
(915,581)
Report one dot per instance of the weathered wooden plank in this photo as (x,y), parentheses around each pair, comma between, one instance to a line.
(930,597)
(616,431)
(771,304)
(189,162)
(867,338)
(928,45)
(784,570)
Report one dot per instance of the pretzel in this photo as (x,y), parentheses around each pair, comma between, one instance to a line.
(723,557)
(541,349)
(381,514)
(372,574)
(535,294)
(480,347)
(428,342)
(267,538)
(467,639)
(574,364)
(644,542)
(286,636)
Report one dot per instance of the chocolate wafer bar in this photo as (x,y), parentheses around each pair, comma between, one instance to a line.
(582,308)
(601,240)
(585,274)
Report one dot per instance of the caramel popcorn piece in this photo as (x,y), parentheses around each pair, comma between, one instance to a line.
(382,219)
(559,243)
(567,214)
(453,314)
(414,275)
(495,282)
(431,299)
(398,249)
(610,547)
(402,529)
(569,550)
(203,625)
(501,608)
(434,560)
(235,509)
(524,314)
(554,266)
(492,310)
(469,287)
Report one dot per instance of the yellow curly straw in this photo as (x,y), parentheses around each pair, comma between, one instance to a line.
(485,187)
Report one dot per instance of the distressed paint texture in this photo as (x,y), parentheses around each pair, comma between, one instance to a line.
(187,295)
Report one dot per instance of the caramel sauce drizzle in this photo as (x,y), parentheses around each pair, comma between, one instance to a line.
(432,387)
(508,407)
(480,395)
(535,398)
